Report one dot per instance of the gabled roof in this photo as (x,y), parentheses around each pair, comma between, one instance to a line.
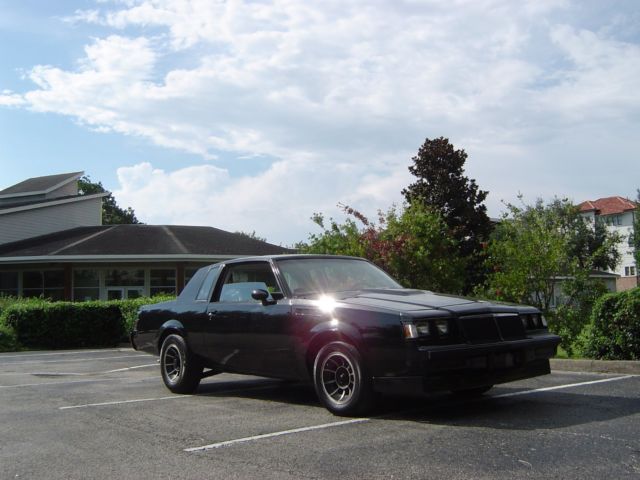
(608,205)
(136,243)
(39,185)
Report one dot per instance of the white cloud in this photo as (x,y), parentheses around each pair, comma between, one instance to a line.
(340,94)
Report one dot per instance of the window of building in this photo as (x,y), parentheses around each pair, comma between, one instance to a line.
(630,271)
(86,285)
(43,283)
(162,282)
(8,284)
(125,278)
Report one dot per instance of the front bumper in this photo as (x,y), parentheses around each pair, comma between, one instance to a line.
(459,367)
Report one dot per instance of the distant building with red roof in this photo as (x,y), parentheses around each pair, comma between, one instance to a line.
(618,213)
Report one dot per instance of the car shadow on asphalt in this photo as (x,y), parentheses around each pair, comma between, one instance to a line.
(539,410)
(267,389)
(544,410)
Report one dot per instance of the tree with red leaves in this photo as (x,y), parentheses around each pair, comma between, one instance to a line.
(412,245)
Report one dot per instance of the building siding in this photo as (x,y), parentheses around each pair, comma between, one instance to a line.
(40,221)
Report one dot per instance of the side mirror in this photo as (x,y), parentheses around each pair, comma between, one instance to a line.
(262,296)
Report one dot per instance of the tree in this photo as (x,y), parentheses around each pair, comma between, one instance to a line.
(413,245)
(112,214)
(443,187)
(253,235)
(545,254)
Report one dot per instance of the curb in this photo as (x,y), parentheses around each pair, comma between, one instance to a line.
(596,366)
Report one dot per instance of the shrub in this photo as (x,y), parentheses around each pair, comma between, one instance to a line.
(65,324)
(129,309)
(614,329)
(8,340)
(38,323)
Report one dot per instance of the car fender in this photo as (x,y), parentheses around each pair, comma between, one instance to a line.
(332,331)
(167,328)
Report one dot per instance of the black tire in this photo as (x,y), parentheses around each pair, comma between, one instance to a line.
(472,392)
(341,381)
(180,369)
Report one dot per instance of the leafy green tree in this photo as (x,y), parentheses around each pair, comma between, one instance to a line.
(413,245)
(442,186)
(112,214)
(545,254)
(253,235)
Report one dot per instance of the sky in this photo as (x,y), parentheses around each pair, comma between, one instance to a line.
(253,115)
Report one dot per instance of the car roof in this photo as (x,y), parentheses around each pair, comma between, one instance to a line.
(290,257)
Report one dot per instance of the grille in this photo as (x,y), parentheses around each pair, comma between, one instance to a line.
(480,329)
(492,328)
(510,327)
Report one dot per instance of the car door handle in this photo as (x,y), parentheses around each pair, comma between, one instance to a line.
(211,314)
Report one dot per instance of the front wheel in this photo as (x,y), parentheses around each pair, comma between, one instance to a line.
(181,371)
(340,382)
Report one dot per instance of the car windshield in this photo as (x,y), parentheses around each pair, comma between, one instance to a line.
(312,276)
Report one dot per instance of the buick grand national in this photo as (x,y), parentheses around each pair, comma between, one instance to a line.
(342,324)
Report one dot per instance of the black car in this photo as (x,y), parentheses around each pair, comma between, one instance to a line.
(343,324)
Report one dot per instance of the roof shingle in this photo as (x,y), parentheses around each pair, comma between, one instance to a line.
(146,240)
(38,185)
(608,205)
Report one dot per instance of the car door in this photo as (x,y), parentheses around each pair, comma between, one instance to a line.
(246,335)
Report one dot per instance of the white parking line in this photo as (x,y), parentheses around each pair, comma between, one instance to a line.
(97,380)
(559,387)
(226,443)
(75,352)
(172,397)
(75,360)
(122,402)
(275,434)
(83,374)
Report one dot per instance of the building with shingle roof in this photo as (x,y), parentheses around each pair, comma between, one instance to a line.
(618,214)
(53,244)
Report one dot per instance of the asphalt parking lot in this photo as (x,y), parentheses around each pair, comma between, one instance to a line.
(106,414)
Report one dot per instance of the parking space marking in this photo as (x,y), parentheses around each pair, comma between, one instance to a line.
(172,397)
(76,360)
(226,443)
(559,387)
(275,434)
(75,352)
(122,402)
(70,382)
(76,374)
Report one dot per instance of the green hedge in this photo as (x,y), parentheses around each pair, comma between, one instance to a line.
(614,329)
(40,324)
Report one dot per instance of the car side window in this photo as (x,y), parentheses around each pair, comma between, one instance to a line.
(205,290)
(240,280)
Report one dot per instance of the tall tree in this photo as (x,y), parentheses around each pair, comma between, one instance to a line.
(112,214)
(412,244)
(442,186)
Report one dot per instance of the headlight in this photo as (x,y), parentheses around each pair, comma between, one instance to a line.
(442,326)
(525,321)
(543,321)
(423,329)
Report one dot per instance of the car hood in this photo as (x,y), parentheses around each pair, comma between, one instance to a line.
(408,300)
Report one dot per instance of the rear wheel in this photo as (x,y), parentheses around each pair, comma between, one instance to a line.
(340,380)
(181,370)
